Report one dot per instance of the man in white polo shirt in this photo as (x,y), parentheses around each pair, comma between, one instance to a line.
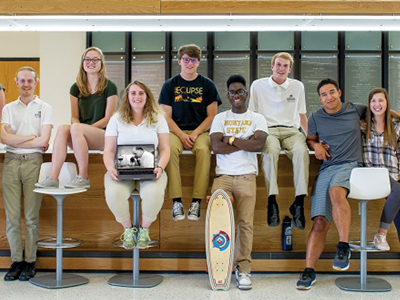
(282,101)
(26,126)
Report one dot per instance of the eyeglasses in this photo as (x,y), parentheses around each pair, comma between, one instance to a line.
(240,92)
(193,60)
(88,60)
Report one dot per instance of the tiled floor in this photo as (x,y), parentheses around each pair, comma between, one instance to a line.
(193,286)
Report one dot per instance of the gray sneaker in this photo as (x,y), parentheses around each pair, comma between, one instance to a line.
(128,238)
(177,211)
(78,182)
(47,183)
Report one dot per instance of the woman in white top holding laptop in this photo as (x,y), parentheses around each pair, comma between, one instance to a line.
(139,120)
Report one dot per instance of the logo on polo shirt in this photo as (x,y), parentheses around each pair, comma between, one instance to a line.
(39,114)
(291,98)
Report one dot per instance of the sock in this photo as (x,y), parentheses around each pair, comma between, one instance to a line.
(309,270)
(344,244)
(299,201)
(272,199)
(196,200)
(177,200)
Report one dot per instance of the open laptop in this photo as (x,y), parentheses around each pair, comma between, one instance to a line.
(135,162)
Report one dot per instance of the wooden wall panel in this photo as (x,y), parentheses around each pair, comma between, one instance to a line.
(80,7)
(87,217)
(279,7)
(200,7)
(8,70)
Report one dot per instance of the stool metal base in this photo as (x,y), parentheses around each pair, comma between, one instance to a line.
(50,281)
(145,281)
(373,284)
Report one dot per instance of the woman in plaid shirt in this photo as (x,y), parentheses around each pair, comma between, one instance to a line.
(381,149)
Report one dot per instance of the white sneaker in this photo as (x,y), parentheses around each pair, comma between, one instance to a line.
(243,281)
(380,242)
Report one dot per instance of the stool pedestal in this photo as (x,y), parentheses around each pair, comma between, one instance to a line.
(136,280)
(59,280)
(363,283)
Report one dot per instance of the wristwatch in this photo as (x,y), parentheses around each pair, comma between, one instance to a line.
(231,140)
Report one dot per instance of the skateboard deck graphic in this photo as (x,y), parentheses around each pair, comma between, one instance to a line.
(220,239)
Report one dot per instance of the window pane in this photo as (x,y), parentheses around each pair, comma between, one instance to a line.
(228,41)
(115,70)
(109,41)
(394,81)
(324,40)
(276,41)
(148,41)
(314,68)
(151,70)
(363,73)
(184,38)
(226,65)
(363,40)
(394,40)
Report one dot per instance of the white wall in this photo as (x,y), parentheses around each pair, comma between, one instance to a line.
(60,55)
(19,44)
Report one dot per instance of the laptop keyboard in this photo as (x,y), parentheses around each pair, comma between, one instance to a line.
(136,172)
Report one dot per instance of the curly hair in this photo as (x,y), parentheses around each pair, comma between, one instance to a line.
(151,109)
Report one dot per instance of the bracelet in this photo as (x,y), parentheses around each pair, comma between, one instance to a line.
(162,170)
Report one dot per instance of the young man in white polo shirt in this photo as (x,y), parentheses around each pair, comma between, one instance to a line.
(26,126)
(282,101)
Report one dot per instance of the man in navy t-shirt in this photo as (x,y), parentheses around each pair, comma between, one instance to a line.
(190,102)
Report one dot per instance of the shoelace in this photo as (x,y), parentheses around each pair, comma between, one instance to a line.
(177,208)
(381,238)
(194,208)
(342,253)
(305,275)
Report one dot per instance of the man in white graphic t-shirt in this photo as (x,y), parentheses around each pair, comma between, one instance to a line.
(236,137)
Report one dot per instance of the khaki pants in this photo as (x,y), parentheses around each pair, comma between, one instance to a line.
(243,189)
(20,176)
(202,151)
(293,142)
(151,192)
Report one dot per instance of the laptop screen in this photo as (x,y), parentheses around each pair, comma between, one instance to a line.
(135,157)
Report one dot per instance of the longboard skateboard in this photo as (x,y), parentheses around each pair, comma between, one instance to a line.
(220,240)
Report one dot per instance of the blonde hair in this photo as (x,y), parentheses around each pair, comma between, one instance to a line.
(151,109)
(283,55)
(389,136)
(81,78)
(26,68)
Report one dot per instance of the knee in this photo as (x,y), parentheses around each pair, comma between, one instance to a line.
(63,131)
(77,129)
(320,225)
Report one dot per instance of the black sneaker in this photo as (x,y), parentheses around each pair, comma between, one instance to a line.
(15,271)
(342,258)
(297,212)
(194,211)
(306,280)
(28,272)
(273,215)
(177,211)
